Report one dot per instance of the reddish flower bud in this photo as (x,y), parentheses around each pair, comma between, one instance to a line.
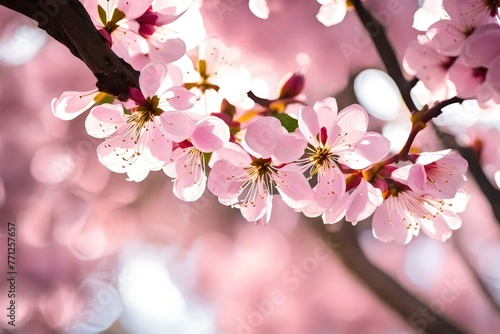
(293,85)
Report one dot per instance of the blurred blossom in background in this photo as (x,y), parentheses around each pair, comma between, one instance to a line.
(99,254)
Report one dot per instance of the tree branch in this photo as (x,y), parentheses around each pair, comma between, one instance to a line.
(68,22)
(345,244)
(386,52)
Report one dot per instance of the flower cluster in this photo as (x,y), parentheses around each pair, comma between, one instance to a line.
(457,55)
(193,117)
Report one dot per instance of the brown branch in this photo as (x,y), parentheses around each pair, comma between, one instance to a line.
(384,48)
(68,22)
(345,244)
(479,280)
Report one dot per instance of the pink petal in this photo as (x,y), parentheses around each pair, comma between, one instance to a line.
(210,134)
(480,49)
(134,9)
(262,135)
(327,111)
(176,125)
(176,165)
(309,124)
(231,152)
(177,97)
(294,189)
(190,186)
(381,223)
(158,147)
(437,227)
(71,104)
(352,123)
(466,79)
(151,78)
(223,181)
(259,208)
(363,201)
(372,148)
(104,120)
(447,37)
(290,147)
(170,50)
(337,211)
(330,188)
(493,75)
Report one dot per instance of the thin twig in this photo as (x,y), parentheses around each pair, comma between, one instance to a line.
(386,52)
(345,244)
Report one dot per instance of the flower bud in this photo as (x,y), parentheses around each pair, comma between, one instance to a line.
(293,85)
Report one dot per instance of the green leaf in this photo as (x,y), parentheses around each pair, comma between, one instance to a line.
(287,121)
(102,14)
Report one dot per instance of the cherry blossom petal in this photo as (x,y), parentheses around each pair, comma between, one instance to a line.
(327,111)
(133,9)
(337,211)
(382,224)
(309,124)
(330,188)
(177,97)
(352,123)
(210,134)
(259,207)
(262,135)
(363,201)
(294,189)
(466,79)
(157,147)
(176,125)
(105,120)
(71,104)
(177,162)
(191,185)
(447,37)
(231,152)
(372,148)
(479,51)
(289,147)
(221,181)
(151,78)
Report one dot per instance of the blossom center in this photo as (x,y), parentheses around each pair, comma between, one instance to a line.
(204,83)
(111,24)
(260,167)
(322,158)
(145,113)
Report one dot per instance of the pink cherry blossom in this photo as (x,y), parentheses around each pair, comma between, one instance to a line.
(448,36)
(116,22)
(213,74)
(142,141)
(335,140)
(164,43)
(188,161)
(479,9)
(404,212)
(482,54)
(439,174)
(430,12)
(431,67)
(247,181)
(72,104)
